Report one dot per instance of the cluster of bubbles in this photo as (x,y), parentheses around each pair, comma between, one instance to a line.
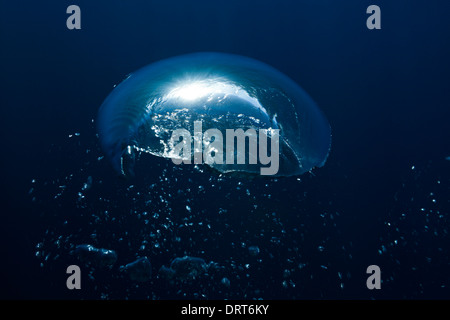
(185,232)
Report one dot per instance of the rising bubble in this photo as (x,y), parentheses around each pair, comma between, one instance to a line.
(222,91)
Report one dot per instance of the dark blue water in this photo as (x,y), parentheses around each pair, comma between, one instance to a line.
(382,197)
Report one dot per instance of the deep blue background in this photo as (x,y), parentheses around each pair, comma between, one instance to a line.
(385,92)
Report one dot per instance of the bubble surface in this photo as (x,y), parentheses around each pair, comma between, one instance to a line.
(223,91)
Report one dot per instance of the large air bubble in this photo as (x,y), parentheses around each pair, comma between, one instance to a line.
(203,91)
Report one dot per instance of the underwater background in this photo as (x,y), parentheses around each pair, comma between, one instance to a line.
(382,198)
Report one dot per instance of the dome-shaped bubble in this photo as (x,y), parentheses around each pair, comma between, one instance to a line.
(214,91)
